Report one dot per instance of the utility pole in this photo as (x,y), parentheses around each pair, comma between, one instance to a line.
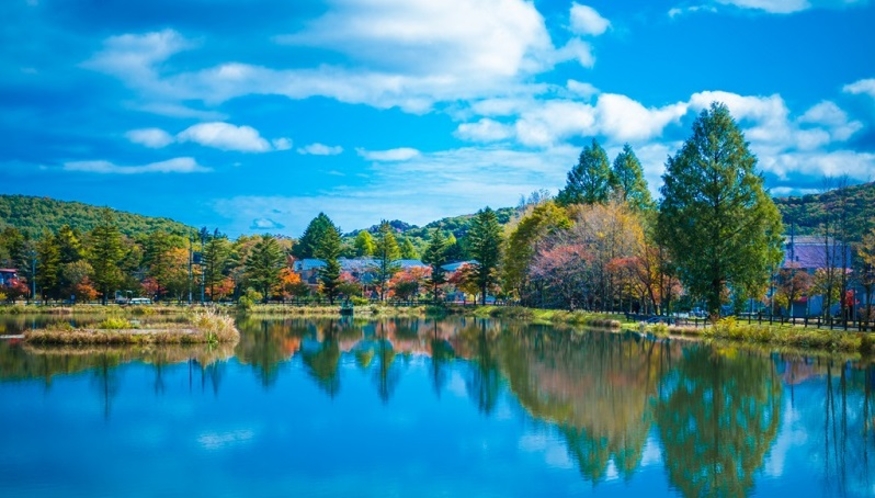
(190,243)
(33,275)
(204,235)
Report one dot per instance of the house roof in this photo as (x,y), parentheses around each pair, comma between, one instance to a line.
(814,252)
(458,264)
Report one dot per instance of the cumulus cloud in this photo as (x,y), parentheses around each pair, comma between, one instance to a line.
(835,121)
(484,130)
(154,138)
(176,165)
(865,87)
(225,136)
(585,20)
(317,149)
(623,119)
(399,154)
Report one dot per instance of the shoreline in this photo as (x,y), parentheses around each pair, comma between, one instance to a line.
(727,330)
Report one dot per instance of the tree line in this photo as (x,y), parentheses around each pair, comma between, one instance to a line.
(714,238)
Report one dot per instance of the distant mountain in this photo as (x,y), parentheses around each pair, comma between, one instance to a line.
(32,215)
(807,213)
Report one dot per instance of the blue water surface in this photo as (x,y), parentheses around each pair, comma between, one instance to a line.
(426,409)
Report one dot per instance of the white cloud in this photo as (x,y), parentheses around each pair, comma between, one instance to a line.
(577,50)
(176,165)
(833,118)
(405,53)
(132,58)
(458,37)
(399,154)
(281,143)
(225,136)
(583,89)
(150,137)
(554,121)
(484,130)
(678,11)
(317,149)
(585,20)
(623,119)
(865,87)
(771,6)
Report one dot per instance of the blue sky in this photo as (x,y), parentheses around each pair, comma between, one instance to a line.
(254,115)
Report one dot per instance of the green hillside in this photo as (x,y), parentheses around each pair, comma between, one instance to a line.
(809,212)
(32,215)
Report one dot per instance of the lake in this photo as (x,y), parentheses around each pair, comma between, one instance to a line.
(407,407)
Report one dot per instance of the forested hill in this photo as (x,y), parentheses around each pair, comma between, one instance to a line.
(809,212)
(32,215)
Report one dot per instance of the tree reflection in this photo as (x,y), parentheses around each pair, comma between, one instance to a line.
(717,419)
(387,377)
(597,387)
(484,381)
(441,353)
(322,362)
(265,344)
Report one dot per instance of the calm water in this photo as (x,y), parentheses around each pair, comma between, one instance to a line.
(424,408)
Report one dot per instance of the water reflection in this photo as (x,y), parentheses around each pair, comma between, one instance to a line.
(721,421)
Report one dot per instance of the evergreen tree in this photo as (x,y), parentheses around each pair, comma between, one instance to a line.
(263,265)
(364,244)
(69,242)
(407,249)
(455,251)
(721,228)
(627,180)
(328,250)
(386,253)
(105,255)
(590,180)
(484,245)
(48,266)
(308,245)
(436,256)
(217,258)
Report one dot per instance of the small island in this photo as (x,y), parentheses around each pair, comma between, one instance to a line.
(205,326)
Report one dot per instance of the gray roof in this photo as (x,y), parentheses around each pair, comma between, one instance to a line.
(814,252)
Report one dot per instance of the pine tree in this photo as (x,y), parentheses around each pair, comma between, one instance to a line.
(328,250)
(590,180)
(308,245)
(105,255)
(263,265)
(484,245)
(386,253)
(436,257)
(627,180)
(48,266)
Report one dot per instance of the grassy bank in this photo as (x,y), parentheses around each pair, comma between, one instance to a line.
(552,317)
(205,326)
(92,310)
(777,336)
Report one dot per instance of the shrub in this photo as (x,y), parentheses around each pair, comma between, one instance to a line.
(114,323)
